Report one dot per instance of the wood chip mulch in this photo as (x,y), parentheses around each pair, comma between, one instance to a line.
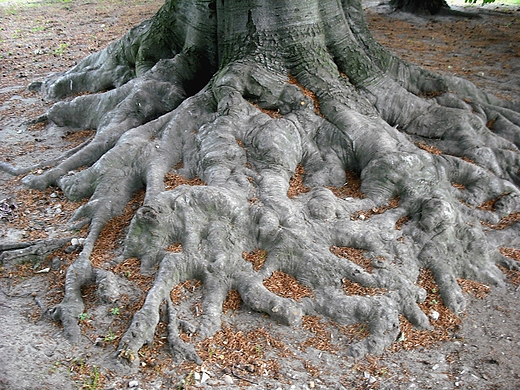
(459,186)
(75,138)
(354,332)
(504,222)
(513,276)
(233,301)
(491,122)
(512,253)
(444,327)
(16,149)
(275,114)
(56,277)
(174,248)
(172,180)
(242,353)
(401,222)
(366,214)
(429,148)
(256,257)
(130,269)
(88,293)
(372,365)
(353,288)
(112,235)
(312,369)
(182,290)
(489,205)
(467,159)
(353,254)
(296,186)
(307,92)
(287,286)
(156,356)
(35,210)
(433,48)
(351,188)
(323,337)
(476,289)
(356,255)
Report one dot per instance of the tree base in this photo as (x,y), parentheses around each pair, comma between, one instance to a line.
(280,139)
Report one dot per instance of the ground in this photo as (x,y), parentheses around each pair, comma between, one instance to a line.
(39,38)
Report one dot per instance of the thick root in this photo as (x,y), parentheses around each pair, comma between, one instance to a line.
(164,36)
(34,252)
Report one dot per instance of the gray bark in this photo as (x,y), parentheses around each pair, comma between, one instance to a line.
(194,87)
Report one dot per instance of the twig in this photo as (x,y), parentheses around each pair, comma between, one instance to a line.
(242,378)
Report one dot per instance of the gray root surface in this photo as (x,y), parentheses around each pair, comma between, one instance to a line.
(191,87)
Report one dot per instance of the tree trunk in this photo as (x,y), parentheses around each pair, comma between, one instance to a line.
(247,94)
(421,7)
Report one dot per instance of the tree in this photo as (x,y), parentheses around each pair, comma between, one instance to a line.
(428,7)
(432,7)
(251,95)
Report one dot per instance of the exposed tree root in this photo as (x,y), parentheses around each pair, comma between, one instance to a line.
(328,99)
(34,251)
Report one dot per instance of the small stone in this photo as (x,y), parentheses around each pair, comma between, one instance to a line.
(74,242)
(56,263)
(204,377)
(133,384)
(434,315)
(81,241)
(312,385)
(372,379)
(196,376)
(54,195)
(227,380)
(70,249)
(100,342)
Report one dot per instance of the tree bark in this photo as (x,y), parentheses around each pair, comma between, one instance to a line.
(242,94)
(421,7)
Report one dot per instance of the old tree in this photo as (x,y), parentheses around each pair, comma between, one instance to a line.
(247,96)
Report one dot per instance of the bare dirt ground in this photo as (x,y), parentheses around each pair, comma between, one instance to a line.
(38,38)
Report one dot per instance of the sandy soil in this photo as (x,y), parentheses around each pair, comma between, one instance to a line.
(39,38)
